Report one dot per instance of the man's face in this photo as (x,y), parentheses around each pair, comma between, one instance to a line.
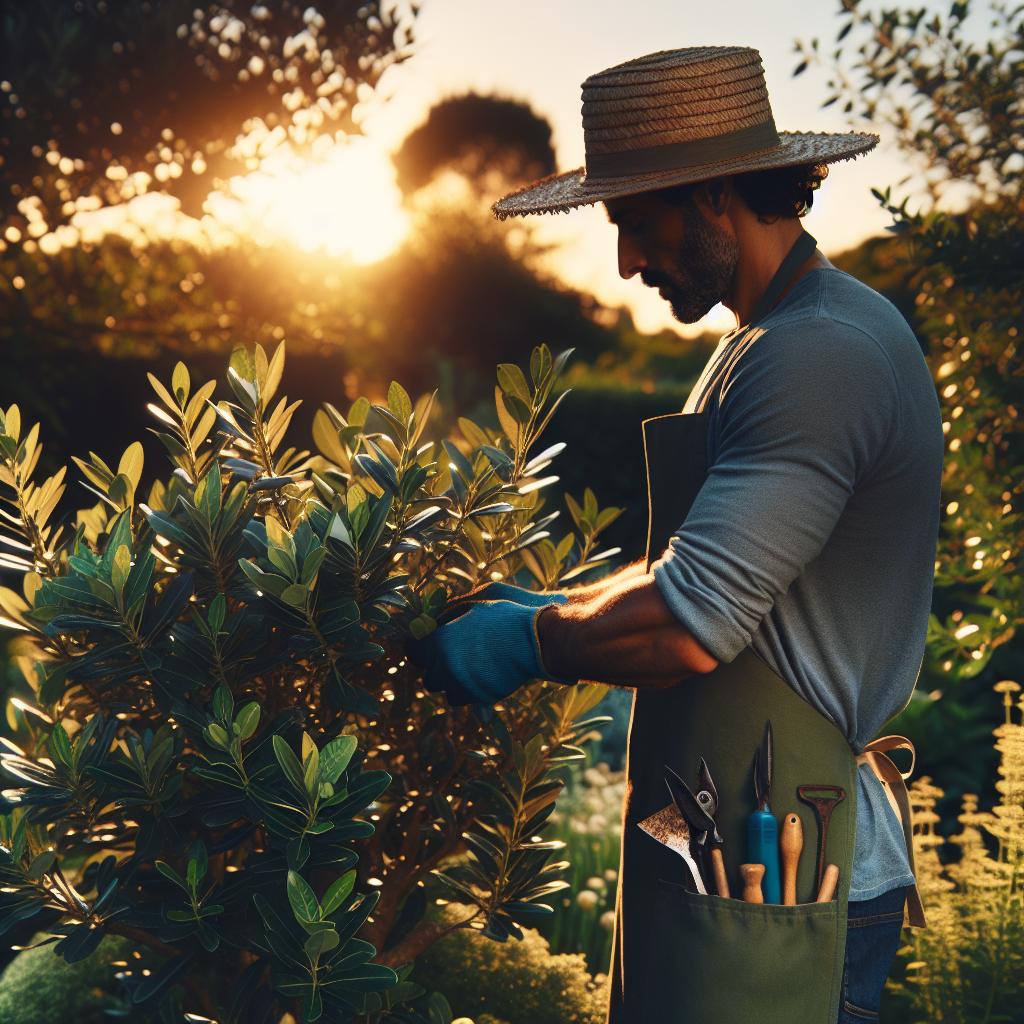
(676,249)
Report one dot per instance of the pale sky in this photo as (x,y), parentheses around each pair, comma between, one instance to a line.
(540,51)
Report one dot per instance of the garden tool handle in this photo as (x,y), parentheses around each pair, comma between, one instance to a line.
(791,844)
(828,884)
(763,848)
(752,875)
(718,866)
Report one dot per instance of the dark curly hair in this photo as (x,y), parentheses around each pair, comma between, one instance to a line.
(771,194)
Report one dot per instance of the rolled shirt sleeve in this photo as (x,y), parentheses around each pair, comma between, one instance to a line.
(808,411)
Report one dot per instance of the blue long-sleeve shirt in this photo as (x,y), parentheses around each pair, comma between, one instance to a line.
(813,538)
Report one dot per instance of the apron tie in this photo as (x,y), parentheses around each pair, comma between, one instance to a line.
(894,784)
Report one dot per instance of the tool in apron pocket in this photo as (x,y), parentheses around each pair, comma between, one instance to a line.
(699,810)
(672,830)
(762,828)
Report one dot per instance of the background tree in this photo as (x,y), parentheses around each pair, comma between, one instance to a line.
(99,93)
(493,142)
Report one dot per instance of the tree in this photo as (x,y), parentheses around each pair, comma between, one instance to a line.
(101,98)
(495,143)
(220,751)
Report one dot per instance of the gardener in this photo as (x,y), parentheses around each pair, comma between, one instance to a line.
(794,507)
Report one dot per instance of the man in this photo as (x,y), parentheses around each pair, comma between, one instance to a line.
(794,517)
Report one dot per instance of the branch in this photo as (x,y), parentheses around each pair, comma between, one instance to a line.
(419,940)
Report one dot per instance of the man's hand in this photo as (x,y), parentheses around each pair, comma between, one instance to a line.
(485,652)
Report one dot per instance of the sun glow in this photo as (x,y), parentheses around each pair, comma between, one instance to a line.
(344,203)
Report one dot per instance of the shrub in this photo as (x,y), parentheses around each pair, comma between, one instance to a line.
(526,983)
(219,751)
(968,965)
(39,987)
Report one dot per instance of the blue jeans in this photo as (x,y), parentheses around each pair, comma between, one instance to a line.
(872,938)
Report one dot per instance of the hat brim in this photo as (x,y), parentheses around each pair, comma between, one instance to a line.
(558,193)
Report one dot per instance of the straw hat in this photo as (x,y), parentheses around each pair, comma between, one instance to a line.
(674,117)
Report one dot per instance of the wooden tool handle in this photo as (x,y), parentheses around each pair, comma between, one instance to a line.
(791,843)
(752,875)
(828,884)
(718,866)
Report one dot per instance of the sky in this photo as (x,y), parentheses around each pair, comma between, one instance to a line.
(540,51)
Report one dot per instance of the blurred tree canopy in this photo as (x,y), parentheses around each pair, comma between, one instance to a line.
(488,139)
(953,99)
(103,97)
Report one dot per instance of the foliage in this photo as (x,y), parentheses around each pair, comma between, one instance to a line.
(38,987)
(219,751)
(588,820)
(482,137)
(968,964)
(525,983)
(432,303)
(103,98)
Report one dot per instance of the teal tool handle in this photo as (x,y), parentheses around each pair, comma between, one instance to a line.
(763,848)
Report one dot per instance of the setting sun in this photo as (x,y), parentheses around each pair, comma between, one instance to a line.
(344,203)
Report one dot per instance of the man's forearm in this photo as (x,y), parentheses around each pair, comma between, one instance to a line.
(627,636)
(587,591)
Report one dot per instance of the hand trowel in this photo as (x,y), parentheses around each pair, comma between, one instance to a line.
(671,829)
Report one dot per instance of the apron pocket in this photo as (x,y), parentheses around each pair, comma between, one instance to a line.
(723,961)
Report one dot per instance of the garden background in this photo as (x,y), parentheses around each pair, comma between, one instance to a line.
(208,186)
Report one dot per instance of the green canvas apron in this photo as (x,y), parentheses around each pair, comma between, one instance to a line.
(679,956)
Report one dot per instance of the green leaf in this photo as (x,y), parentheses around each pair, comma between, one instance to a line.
(41,863)
(131,462)
(60,745)
(272,380)
(335,757)
(309,774)
(399,402)
(180,383)
(358,411)
(223,703)
(321,941)
(217,735)
(508,423)
(162,393)
(289,763)
(168,872)
(513,382)
(198,863)
(121,568)
(216,614)
(337,892)
(247,720)
(302,899)
(295,595)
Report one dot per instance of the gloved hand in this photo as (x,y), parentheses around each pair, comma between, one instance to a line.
(485,652)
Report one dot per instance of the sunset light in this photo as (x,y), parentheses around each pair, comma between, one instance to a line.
(344,203)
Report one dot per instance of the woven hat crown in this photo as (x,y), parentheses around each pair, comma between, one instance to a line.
(688,105)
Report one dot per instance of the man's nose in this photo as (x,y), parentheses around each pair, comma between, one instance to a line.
(631,257)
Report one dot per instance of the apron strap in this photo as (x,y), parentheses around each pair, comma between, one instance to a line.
(800,251)
(894,783)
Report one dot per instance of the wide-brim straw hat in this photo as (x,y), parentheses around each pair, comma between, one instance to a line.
(674,117)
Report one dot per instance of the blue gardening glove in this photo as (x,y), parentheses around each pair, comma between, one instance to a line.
(484,653)
(500,591)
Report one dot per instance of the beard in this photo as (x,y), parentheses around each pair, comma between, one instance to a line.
(693,286)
